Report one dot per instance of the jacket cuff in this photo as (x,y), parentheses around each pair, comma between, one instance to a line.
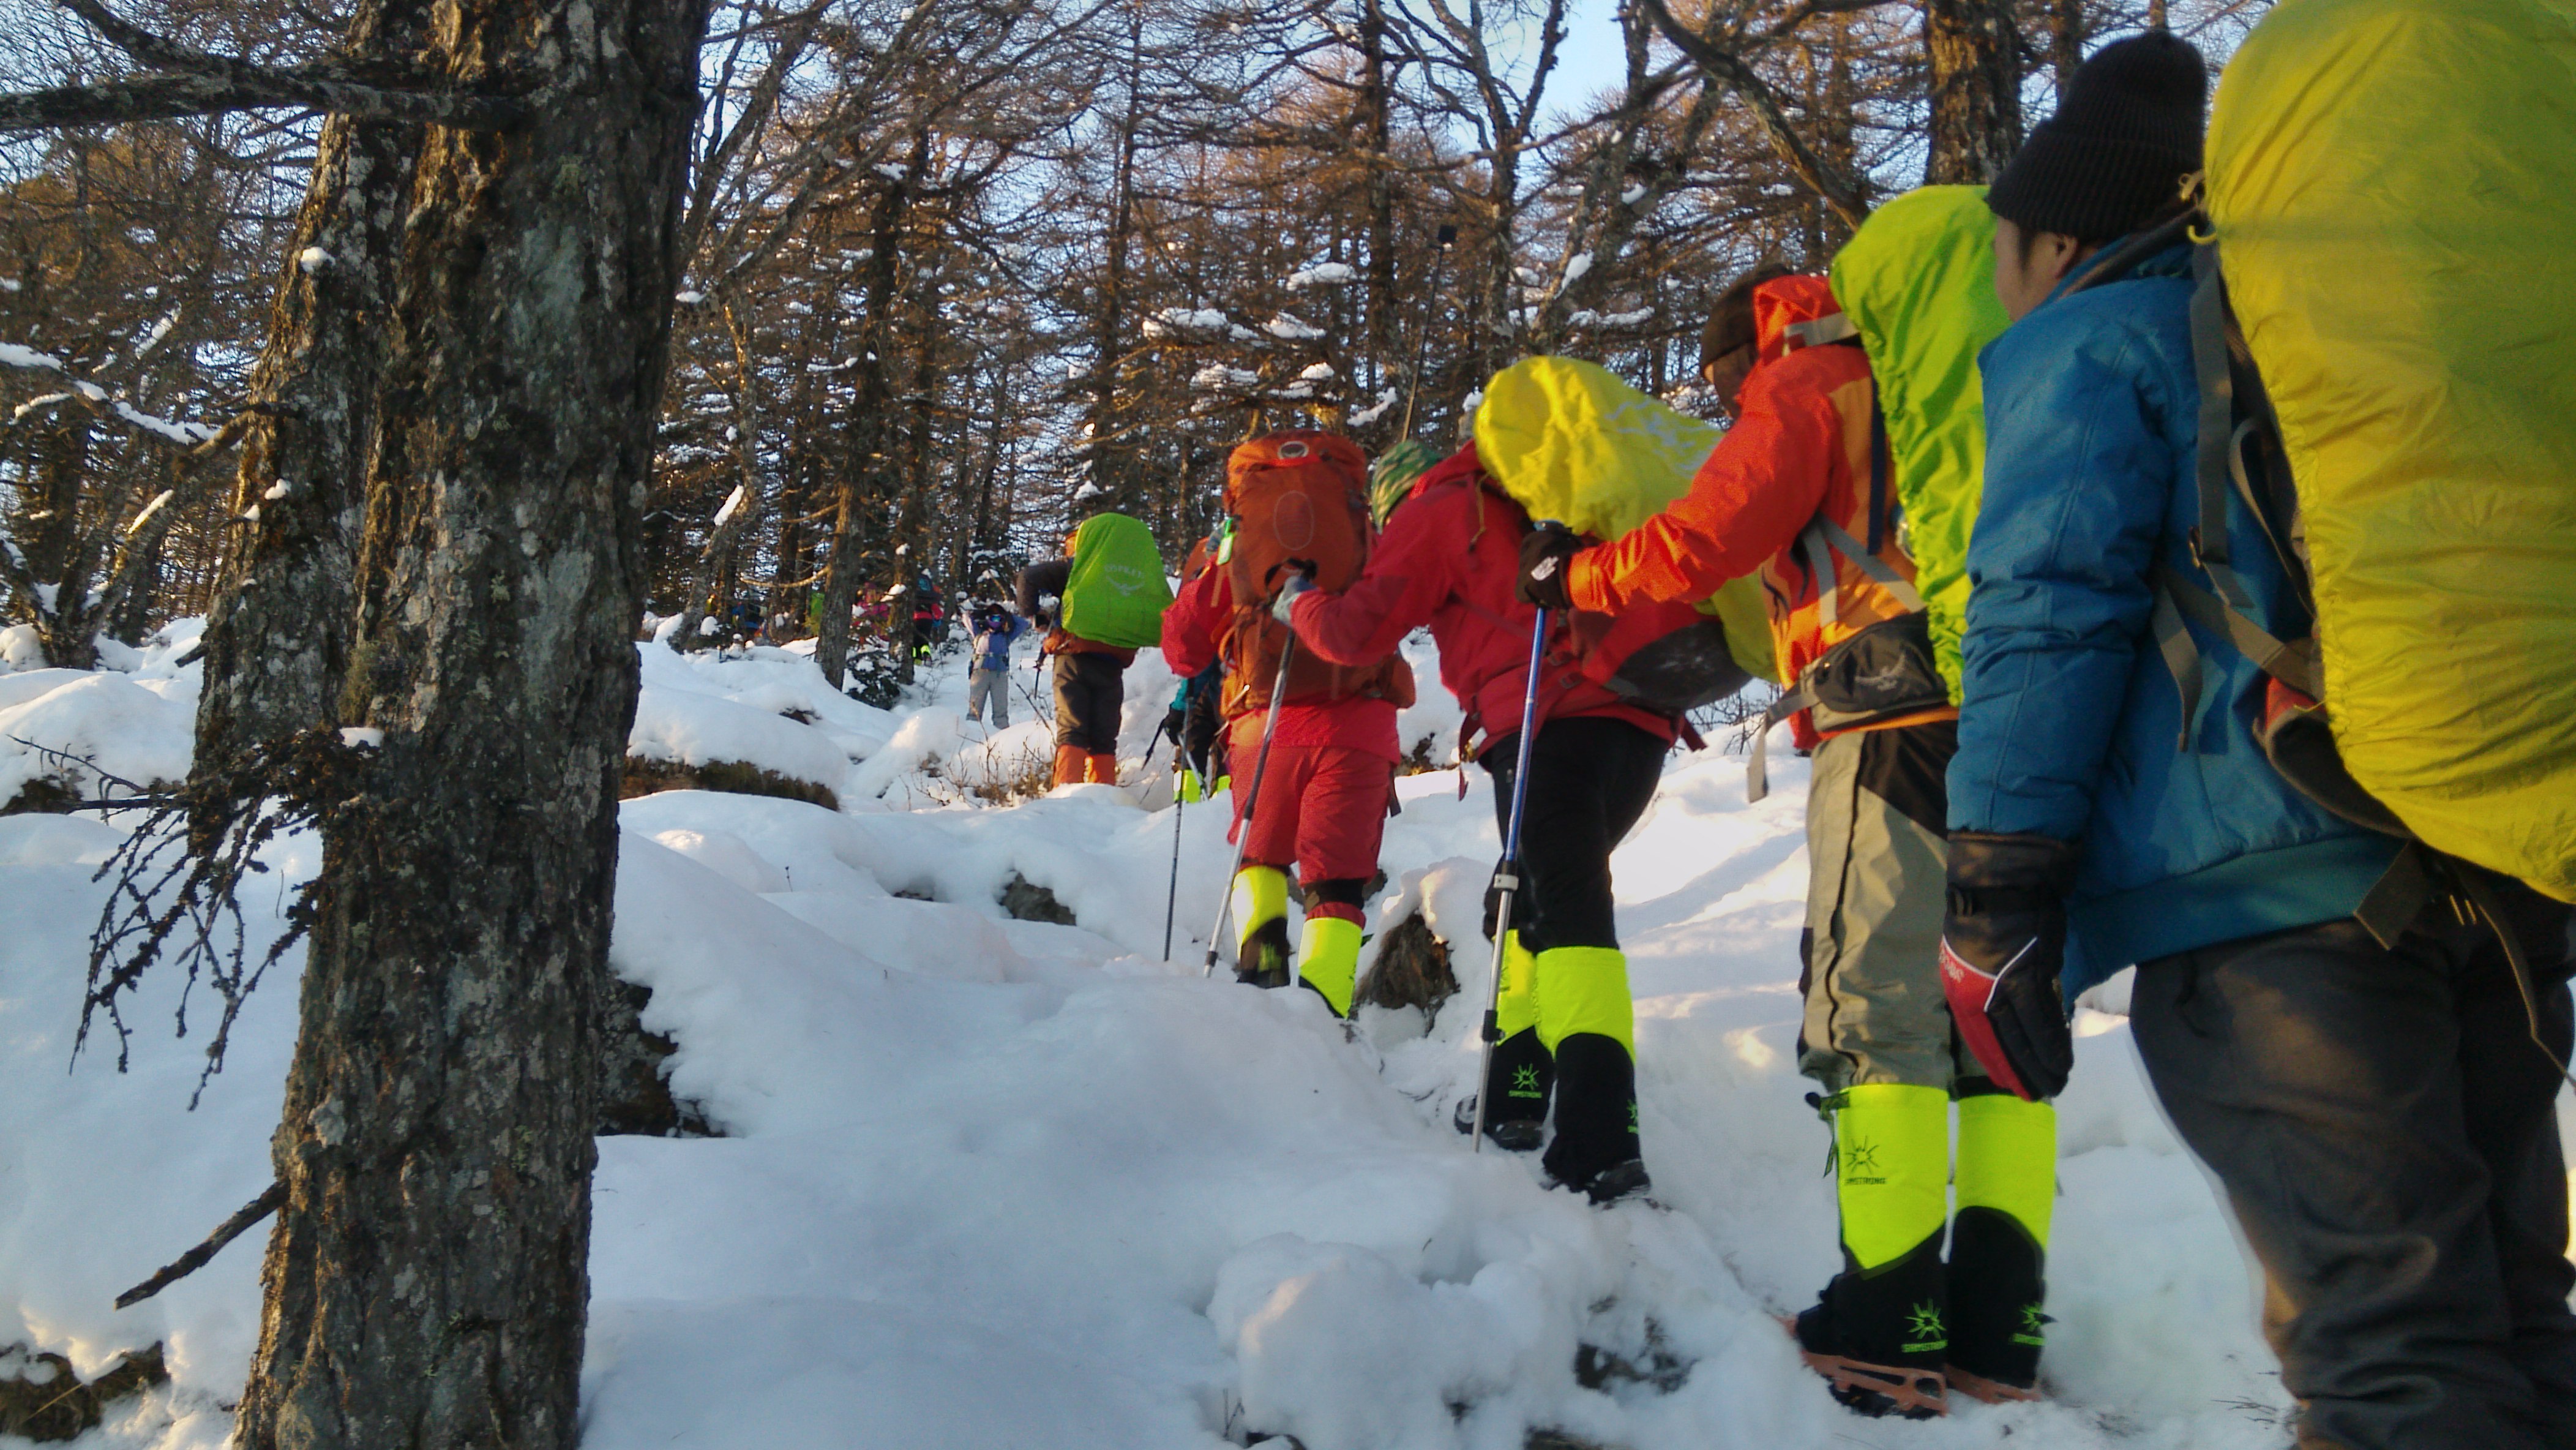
(1980,861)
(1584,586)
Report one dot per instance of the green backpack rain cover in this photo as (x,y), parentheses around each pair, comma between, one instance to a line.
(1918,280)
(1117,593)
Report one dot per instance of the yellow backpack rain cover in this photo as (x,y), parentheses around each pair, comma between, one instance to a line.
(2393,184)
(1918,280)
(1570,442)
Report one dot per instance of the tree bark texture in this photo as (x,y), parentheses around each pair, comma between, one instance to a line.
(1975,58)
(427,1277)
(279,636)
(860,489)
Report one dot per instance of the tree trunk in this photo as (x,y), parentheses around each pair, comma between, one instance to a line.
(860,485)
(713,587)
(426,1283)
(2066,40)
(1378,132)
(1107,448)
(62,554)
(1975,61)
(278,640)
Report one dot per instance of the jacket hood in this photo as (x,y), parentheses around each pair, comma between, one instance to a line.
(1782,304)
(1462,464)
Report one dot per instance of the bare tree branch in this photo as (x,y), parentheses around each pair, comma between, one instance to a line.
(197,1258)
(198,84)
(1847,194)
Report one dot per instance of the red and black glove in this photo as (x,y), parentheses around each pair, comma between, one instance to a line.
(2002,947)
(1545,552)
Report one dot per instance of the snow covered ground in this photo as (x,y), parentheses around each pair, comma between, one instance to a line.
(1002,1183)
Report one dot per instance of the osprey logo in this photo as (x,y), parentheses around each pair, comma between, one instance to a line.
(1125,578)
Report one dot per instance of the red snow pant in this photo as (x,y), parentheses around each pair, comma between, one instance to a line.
(1322,807)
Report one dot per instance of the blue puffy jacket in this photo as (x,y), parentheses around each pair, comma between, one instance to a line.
(2070,721)
(993,646)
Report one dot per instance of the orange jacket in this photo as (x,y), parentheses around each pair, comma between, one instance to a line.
(1800,448)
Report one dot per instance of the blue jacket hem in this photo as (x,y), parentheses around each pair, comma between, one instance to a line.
(2249,895)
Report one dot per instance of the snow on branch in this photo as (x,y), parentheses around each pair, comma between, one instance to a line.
(1179,321)
(732,505)
(1328,274)
(97,399)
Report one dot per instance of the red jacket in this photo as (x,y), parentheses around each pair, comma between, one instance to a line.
(1194,627)
(1800,446)
(1449,559)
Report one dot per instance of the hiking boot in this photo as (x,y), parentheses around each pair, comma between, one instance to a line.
(1518,1136)
(1518,1082)
(1262,961)
(1880,1337)
(1596,1109)
(1996,1290)
(1618,1183)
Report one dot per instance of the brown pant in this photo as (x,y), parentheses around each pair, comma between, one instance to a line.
(1090,691)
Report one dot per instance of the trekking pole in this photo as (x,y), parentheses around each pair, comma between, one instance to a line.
(1172,893)
(1251,802)
(1507,878)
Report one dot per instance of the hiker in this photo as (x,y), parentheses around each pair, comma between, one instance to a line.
(1196,719)
(988,663)
(929,619)
(1332,751)
(2379,1115)
(1802,489)
(1195,722)
(1110,593)
(1447,560)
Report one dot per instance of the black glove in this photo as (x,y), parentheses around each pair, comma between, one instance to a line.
(1173,719)
(2002,947)
(1494,897)
(1546,551)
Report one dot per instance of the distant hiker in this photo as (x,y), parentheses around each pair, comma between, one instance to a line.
(1196,723)
(2344,1043)
(1333,752)
(1804,489)
(929,619)
(1111,594)
(988,664)
(1447,560)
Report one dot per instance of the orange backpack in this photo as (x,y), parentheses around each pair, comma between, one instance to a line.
(1301,496)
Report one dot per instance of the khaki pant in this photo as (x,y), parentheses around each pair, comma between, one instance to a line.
(1877,853)
(993,686)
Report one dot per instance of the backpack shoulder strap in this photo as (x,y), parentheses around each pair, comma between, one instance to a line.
(2225,611)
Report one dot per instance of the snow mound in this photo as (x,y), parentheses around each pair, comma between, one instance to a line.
(1006,1183)
(764,709)
(115,725)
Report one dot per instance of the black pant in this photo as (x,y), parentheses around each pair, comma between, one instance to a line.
(2385,1130)
(1590,779)
(1090,690)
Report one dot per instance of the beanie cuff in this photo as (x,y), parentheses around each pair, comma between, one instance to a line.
(2091,188)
